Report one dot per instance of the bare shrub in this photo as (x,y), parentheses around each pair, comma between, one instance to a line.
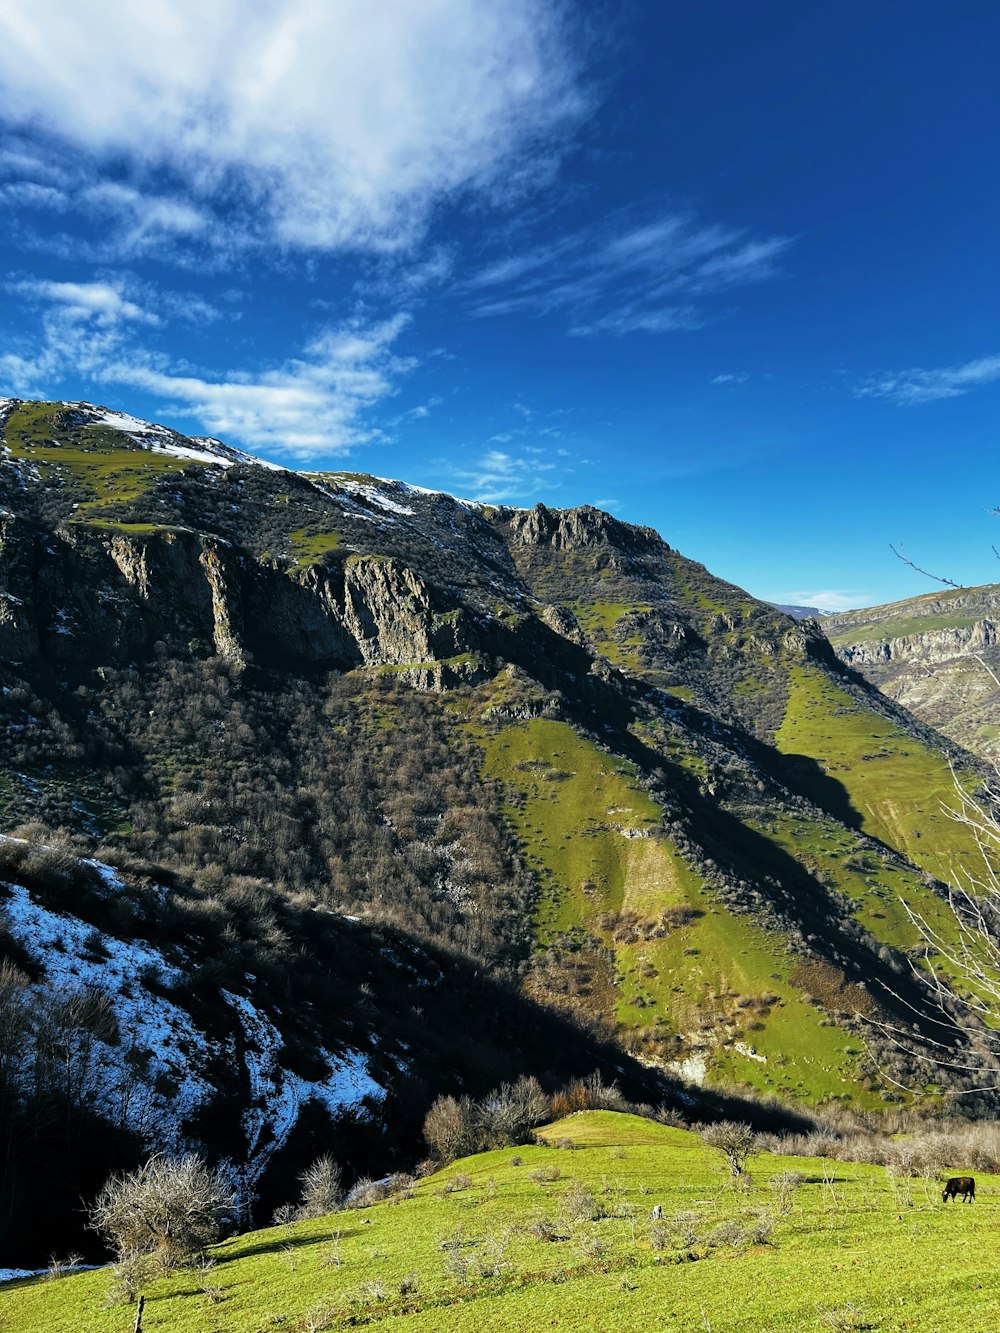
(685,1228)
(450,1129)
(366,1192)
(543,1174)
(784,1186)
(459,1267)
(592,1247)
(509,1113)
(168,1208)
(735,1140)
(579,1203)
(545,1228)
(60,1267)
(321,1192)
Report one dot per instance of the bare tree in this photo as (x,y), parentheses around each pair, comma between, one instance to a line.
(321,1191)
(169,1209)
(735,1140)
(960,959)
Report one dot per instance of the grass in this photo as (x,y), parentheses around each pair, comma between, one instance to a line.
(897,788)
(695,985)
(600,621)
(899,627)
(852,1248)
(100,463)
(311,547)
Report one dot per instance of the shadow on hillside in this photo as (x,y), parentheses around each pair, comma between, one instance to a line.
(804,776)
(280,1244)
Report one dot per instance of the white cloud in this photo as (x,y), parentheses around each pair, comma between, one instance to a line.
(332,126)
(101,301)
(911,387)
(309,405)
(738,377)
(501,476)
(627,276)
(31,194)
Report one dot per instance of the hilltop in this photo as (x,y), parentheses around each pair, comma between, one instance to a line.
(394,794)
(938,655)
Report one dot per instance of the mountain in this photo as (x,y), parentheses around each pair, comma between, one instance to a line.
(325,794)
(799,612)
(938,655)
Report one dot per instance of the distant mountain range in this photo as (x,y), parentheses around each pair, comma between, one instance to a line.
(344,793)
(800,612)
(938,655)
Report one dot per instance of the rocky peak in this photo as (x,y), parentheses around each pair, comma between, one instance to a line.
(576,529)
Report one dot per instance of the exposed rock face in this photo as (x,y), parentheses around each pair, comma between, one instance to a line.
(575,529)
(109,598)
(938,656)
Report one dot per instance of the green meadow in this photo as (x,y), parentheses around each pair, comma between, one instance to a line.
(691,979)
(560,1235)
(96,462)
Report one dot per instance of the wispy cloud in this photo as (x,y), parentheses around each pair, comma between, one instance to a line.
(508,476)
(104,302)
(825,599)
(311,404)
(737,377)
(627,276)
(911,387)
(316,126)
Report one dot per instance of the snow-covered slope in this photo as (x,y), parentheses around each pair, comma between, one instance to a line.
(149,1065)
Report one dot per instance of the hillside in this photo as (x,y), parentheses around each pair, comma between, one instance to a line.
(361,760)
(549,1235)
(938,655)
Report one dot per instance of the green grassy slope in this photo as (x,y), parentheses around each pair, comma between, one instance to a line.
(945,608)
(854,1248)
(99,463)
(897,787)
(626,929)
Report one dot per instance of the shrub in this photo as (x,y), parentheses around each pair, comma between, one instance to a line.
(321,1193)
(543,1174)
(579,1203)
(736,1142)
(169,1209)
(450,1128)
(366,1192)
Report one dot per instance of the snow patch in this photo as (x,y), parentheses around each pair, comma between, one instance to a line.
(374,496)
(277,1096)
(154,1032)
(122,421)
(750,1052)
(693,1068)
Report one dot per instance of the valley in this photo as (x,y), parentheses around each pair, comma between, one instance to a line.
(302,770)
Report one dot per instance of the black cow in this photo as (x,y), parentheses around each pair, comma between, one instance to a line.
(957,1185)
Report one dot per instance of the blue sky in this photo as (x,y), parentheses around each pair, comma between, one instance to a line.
(726,269)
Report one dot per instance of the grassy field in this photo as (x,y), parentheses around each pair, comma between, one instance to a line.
(548,1237)
(690,979)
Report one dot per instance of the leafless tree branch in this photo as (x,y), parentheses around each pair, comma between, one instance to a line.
(926,573)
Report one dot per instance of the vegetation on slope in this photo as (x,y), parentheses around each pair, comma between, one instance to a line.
(546,1234)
